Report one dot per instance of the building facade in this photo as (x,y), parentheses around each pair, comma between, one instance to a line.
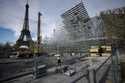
(114,22)
(115,11)
(76,21)
(98,27)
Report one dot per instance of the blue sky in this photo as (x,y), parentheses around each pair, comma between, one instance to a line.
(12,14)
(6,35)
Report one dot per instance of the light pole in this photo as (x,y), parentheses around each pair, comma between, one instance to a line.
(38,33)
(37,52)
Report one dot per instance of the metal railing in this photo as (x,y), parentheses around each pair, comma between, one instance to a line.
(93,78)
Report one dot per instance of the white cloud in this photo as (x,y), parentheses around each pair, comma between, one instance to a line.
(12,16)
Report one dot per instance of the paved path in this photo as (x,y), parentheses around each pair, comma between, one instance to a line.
(79,77)
(56,78)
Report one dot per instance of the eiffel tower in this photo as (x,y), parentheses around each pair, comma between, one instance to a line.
(25,37)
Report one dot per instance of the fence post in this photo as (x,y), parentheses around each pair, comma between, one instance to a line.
(115,65)
(35,70)
(92,75)
(88,76)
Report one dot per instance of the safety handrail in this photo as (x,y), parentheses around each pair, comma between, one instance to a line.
(102,64)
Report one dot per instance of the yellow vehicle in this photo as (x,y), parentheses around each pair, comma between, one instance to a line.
(24,52)
(100,50)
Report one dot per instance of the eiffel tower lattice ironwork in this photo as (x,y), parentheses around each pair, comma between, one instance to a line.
(25,37)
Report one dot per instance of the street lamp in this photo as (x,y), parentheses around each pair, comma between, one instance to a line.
(37,52)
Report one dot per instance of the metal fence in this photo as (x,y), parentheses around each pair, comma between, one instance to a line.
(98,75)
